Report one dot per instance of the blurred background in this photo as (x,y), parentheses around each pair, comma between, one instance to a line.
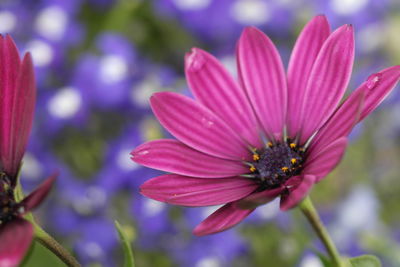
(98,61)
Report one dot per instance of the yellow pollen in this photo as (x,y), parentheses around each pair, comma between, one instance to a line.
(293,160)
(285,169)
(292,145)
(252,169)
(256,157)
(269,144)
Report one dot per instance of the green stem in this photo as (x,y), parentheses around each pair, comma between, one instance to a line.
(44,238)
(308,209)
(51,244)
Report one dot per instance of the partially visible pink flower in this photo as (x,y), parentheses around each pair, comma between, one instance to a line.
(270,134)
(17,102)
(16,233)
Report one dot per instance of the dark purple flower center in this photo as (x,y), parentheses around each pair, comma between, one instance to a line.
(9,208)
(276,163)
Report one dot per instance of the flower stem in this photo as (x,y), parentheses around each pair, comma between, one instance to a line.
(308,209)
(51,244)
(44,238)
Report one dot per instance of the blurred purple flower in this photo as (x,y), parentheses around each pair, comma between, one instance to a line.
(106,79)
(152,218)
(220,22)
(97,241)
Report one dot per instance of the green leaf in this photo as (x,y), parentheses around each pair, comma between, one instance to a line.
(365,261)
(324,259)
(40,256)
(126,245)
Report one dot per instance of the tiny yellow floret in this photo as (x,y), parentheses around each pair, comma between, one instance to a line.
(293,160)
(292,145)
(256,157)
(252,169)
(269,144)
(285,169)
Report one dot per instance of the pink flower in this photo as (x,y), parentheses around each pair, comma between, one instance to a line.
(272,134)
(17,102)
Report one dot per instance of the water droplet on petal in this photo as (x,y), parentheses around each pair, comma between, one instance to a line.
(207,123)
(373,80)
(143,152)
(195,60)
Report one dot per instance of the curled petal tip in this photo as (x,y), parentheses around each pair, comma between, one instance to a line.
(194,60)
(321,18)
(349,28)
(154,97)
(345,29)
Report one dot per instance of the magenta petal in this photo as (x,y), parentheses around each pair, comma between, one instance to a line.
(377,87)
(340,124)
(189,191)
(197,127)
(36,197)
(259,198)
(173,156)
(16,237)
(297,192)
(23,111)
(262,75)
(328,80)
(320,163)
(215,88)
(17,99)
(304,53)
(222,219)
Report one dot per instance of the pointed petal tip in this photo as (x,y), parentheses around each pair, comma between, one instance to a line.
(148,194)
(35,198)
(347,28)
(251,30)
(28,58)
(321,16)
(321,19)
(155,97)
(135,152)
(9,39)
(194,60)
(133,156)
(197,231)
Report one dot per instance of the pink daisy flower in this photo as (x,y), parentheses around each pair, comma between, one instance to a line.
(271,134)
